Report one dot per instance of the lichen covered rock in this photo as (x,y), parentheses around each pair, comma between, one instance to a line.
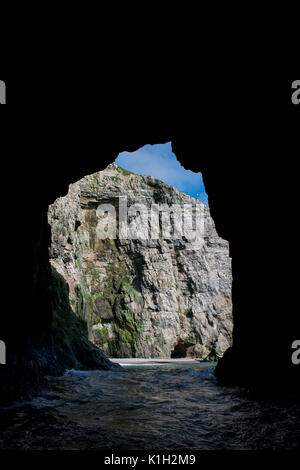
(144,297)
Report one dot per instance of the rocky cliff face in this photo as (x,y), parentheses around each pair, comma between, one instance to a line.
(146,297)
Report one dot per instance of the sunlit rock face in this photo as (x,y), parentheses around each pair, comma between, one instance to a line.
(154,296)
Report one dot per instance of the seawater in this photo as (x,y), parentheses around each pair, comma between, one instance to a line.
(147,407)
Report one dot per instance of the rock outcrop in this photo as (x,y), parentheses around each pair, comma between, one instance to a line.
(144,297)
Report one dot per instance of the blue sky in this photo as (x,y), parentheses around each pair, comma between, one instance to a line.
(159,161)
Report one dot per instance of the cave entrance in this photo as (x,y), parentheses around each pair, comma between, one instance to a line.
(144,276)
(180,350)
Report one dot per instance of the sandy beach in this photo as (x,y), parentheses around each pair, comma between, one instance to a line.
(126,362)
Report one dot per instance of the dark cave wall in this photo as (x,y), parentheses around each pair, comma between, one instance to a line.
(237,162)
